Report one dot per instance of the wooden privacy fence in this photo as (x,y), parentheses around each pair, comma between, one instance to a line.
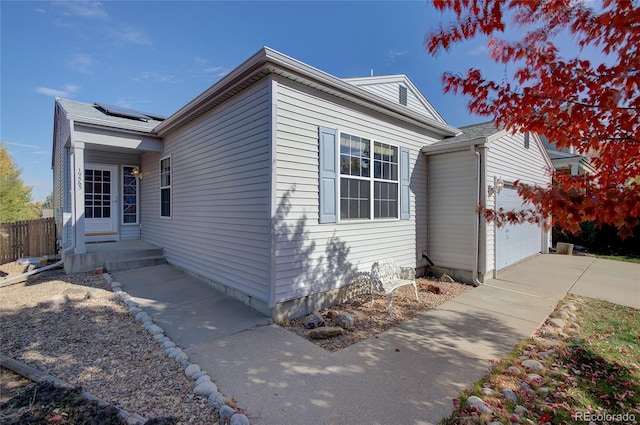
(29,238)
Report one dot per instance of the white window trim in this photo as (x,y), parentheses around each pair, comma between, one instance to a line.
(371,180)
(137,222)
(170,187)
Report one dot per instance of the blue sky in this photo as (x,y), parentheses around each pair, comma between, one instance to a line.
(157,56)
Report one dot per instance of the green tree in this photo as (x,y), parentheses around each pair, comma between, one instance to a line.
(15,197)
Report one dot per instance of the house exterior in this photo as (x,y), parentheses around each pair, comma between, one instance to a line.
(280,184)
(567,160)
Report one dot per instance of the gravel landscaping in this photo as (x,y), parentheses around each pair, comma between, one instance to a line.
(76,329)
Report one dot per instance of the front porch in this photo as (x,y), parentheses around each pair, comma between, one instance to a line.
(113,256)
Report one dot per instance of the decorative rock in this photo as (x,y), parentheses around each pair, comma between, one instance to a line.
(557,323)
(226,413)
(117,289)
(134,310)
(544,354)
(216,400)
(520,410)
(116,285)
(549,344)
(202,379)
(543,390)
(76,294)
(324,333)
(168,344)
(533,365)
(313,320)
(446,278)
(131,303)
(153,329)
(509,395)
(199,375)
(478,403)
(569,307)
(191,370)
(160,338)
(239,419)
(513,370)
(487,391)
(345,320)
(181,357)
(107,277)
(496,423)
(535,378)
(172,352)
(143,317)
(560,314)
(205,389)
(525,386)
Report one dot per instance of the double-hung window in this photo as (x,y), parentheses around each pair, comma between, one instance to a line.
(368,184)
(165,187)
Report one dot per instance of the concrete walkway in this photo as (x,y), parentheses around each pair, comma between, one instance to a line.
(407,375)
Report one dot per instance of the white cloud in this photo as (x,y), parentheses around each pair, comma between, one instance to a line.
(22,145)
(84,9)
(82,63)
(155,77)
(479,50)
(392,55)
(131,35)
(68,90)
(216,71)
(40,10)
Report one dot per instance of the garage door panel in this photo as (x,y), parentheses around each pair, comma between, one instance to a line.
(515,242)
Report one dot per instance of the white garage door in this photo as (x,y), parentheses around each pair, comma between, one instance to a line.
(519,241)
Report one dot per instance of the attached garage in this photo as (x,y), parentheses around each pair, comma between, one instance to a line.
(461,175)
(515,242)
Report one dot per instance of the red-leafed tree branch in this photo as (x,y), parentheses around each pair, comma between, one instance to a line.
(593,108)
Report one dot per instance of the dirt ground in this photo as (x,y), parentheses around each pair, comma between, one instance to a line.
(372,319)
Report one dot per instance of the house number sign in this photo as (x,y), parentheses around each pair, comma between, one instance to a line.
(79,178)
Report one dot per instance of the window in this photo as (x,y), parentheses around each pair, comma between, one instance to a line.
(357,184)
(403,95)
(129,196)
(385,175)
(165,187)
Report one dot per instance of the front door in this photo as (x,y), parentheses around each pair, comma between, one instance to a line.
(101,203)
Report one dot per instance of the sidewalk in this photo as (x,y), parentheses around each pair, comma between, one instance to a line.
(407,375)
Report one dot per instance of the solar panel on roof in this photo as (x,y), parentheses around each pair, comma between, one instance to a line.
(121,112)
(156,117)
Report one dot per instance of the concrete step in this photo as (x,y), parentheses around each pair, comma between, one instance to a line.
(134,262)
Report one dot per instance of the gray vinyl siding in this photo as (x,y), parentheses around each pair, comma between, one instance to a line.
(390,91)
(312,257)
(510,161)
(452,209)
(220,170)
(61,174)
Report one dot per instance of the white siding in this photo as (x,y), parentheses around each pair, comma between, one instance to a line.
(509,160)
(219,227)
(312,257)
(391,92)
(452,209)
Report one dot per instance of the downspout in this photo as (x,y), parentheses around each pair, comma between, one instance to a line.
(480,171)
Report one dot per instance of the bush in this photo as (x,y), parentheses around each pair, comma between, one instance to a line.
(602,241)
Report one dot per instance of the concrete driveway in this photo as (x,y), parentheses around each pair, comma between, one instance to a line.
(407,375)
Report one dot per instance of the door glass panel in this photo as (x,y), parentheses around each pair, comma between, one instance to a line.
(130,199)
(97,194)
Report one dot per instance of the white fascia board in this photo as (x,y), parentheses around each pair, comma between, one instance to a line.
(269,60)
(116,137)
(462,145)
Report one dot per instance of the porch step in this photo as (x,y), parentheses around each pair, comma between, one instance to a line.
(113,256)
(135,263)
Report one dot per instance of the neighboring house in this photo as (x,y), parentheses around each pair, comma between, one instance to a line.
(281,183)
(567,160)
